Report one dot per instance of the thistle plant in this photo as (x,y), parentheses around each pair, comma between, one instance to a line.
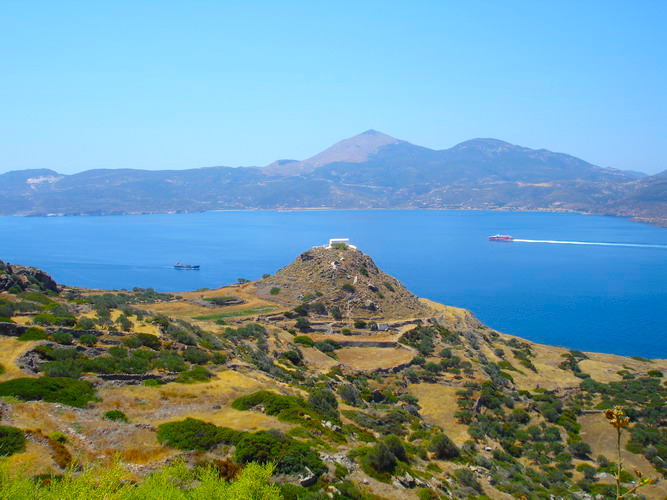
(620,421)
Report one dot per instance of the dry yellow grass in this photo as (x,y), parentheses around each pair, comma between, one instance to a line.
(22,320)
(317,360)
(239,420)
(373,358)
(184,309)
(597,432)
(10,350)
(36,459)
(208,401)
(438,405)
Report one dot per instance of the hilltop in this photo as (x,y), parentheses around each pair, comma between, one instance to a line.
(344,278)
(404,399)
(369,170)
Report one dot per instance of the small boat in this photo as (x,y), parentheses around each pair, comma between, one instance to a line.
(501,237)
(186,266)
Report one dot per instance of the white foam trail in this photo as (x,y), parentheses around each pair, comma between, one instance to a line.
(636,245)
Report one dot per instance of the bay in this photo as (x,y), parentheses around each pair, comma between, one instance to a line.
(554,290)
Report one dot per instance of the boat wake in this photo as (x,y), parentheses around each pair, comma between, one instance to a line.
(634,245)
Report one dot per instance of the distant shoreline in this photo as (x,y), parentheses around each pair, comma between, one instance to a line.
(644,220)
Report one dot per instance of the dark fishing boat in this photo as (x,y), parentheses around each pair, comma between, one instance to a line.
(186,266)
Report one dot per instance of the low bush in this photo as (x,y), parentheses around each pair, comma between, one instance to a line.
(189,434)
(12,440)
(443,447)
(31,334)
(288,455)
(50,389)
(302,324)
(116,416)
(324,402)
(53,320)
(87,339)
(272,403)
(63,338)
(304,340)
(360,323)
(275,290)
(196,374)
(143,339)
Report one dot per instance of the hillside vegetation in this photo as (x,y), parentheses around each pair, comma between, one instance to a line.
(328,379)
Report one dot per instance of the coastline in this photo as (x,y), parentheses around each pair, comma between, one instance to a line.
(652,221)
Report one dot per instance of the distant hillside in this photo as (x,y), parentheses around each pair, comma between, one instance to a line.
(370,170)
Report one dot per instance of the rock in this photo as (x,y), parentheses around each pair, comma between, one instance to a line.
(331,426)
(307,477)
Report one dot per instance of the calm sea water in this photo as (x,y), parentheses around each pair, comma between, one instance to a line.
(589,297)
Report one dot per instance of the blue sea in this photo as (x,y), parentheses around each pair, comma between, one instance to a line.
(592,297)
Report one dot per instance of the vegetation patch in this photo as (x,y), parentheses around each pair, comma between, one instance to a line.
(233,314)
(50,389)
(12,440)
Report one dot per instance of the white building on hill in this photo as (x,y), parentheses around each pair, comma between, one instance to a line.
(340,241)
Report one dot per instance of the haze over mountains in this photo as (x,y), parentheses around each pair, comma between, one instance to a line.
(370,170)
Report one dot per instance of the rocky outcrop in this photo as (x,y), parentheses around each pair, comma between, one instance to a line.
(23,277)
(342,278)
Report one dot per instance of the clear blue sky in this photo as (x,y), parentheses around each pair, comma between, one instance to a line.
(176,84)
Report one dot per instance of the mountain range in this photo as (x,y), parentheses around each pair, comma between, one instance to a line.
(370,170)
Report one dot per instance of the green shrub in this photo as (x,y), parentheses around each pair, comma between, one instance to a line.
(302,324)
(12,440)
(219,358)
(360,323)
(654,373)
(63,338)
(196,374)
(348,287)
(350,394)
(294,356)
(304,340)
(53,320)
(381,458)
(58,437)
(327,345)
(288,455)
(196,355)
(116,416)
(189,434)
(2,369)
(32,333)
(87,339)
(336,313)
(143,339)
(275,290)
(580,449)
(443,447)
(272,403)
(324,402)
(50,389)
(84,323)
